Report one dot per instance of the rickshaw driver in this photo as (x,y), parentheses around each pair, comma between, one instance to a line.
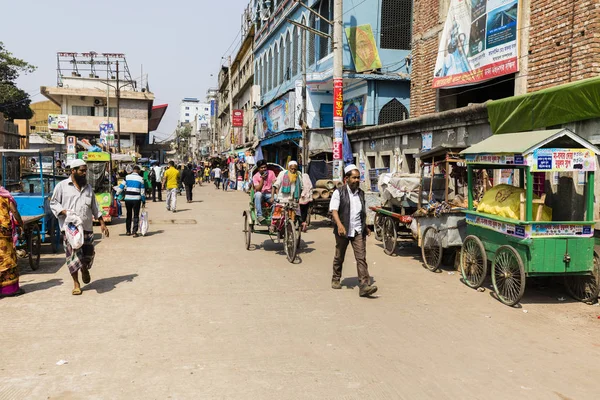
(263,182)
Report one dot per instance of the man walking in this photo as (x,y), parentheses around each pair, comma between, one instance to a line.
(74,196)
(135,196)
(217,176)
(170,182)
(347,207)
(156,182)
(188,179)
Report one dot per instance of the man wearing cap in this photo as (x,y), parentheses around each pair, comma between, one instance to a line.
(75,196)
(347,207)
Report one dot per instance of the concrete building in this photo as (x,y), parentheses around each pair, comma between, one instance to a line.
(376,63)
(189,108)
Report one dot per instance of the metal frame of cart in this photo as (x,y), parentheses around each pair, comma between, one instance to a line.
(435,233)
(521,249)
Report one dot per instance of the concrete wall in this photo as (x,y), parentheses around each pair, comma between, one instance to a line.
(134,115)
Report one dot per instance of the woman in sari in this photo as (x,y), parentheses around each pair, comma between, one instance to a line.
(9,217)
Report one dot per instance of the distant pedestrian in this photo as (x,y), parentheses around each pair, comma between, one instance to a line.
(171,183)
(347,207)
(225,179)
(156,181)
(187,177)
(75,196)
(217,176)
(135,197)
(179,184)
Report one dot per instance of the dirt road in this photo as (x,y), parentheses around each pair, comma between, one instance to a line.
(187,313)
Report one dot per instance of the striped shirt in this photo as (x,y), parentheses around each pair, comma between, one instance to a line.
(134,187)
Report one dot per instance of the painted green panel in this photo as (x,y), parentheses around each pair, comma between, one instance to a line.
(581,251)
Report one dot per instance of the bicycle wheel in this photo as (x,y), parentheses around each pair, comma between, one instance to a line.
(431,249)
(35,241)
(289,242)
(390,236)
(247,230)
(378,223)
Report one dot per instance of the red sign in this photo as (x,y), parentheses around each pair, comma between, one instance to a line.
(338,99)
(237,118)
(480,74)
(337,149)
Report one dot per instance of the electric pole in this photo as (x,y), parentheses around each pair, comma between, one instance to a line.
(304,113)
(231,136)
(118,90)
(338,90)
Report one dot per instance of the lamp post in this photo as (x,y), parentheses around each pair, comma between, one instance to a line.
(117,89)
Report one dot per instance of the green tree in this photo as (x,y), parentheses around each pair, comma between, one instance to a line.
(14,102)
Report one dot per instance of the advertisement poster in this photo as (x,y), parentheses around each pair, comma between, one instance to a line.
(427,139)
(338,99)
(58,122)
(71,144)
(560,160)
(544,230)
(237,118)
(363,48)
(337,149)
(107,134)
(354,109)
(498,226)
(479,42)
(501,159)
(276,117)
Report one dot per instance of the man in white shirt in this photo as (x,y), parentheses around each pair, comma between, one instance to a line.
(157,182)
(217,176)
(347,207)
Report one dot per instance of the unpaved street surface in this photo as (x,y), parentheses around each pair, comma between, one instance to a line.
(188,313)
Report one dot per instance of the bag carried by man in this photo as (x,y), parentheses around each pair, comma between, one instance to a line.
(143,228)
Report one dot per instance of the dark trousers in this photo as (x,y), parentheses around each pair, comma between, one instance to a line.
(217,182)
(359,246)
(133,209)
(156,187)
(188,192)
(304,211)
(225,183)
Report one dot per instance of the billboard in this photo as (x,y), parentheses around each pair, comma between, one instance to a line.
(58,122)
(276,117)
(363,48)
(354,109)
(237,118)
(107,134)
(479,42)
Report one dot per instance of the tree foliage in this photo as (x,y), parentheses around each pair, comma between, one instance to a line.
(14,102)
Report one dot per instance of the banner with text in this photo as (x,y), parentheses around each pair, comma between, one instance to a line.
(479,42)
(563,160)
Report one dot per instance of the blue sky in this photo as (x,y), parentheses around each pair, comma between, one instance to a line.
(179,42)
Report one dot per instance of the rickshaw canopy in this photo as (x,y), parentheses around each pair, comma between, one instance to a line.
(49,151)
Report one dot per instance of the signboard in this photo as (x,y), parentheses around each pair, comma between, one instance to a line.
(560,160)
(276,117)
(338,99)
(545,230)
(237,118)
(427,140)
(213,108)
(497,159)
(337,149)
(498,226)
(363,48)
(107,134)
(71,143)
(204,118)
(530,231)
(58,122)
(479,42)
(354,109)
(94,156)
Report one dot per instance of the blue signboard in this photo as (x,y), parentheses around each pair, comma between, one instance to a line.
(544,162)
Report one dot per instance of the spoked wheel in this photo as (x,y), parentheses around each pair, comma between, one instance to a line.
(431,249)
(585,288)
(390,236)
(473,262)
(378,223)
(298,236)
(290,243)
(35,242)
(508,275)
(247,230)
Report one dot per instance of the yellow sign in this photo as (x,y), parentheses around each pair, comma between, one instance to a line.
(94,156)
(363,48)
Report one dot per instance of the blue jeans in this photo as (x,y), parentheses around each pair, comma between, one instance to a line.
(259,197)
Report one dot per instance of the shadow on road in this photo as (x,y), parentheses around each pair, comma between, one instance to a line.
(34,287)
(107,284)
(152,233)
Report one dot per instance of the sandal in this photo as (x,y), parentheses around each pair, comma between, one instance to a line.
(85,276)
(76,292)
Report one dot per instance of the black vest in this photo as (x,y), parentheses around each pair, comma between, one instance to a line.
(344,210)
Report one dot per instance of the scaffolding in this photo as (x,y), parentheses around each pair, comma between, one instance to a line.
(93,65)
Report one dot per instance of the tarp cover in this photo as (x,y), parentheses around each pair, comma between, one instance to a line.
(575,101)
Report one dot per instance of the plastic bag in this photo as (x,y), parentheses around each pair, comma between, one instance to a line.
(143,228)
(73,228)
(504,201)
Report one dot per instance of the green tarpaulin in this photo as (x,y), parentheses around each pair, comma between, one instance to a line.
(575,101)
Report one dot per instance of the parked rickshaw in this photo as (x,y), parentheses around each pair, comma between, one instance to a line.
(281,221)
(32,194)
(528,247)
(437,222)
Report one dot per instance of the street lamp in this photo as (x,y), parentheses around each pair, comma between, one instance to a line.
(118,94)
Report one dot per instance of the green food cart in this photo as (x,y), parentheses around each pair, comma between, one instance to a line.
(99,177)
(527,246)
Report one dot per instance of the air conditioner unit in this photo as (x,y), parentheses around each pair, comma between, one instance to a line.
(98,102)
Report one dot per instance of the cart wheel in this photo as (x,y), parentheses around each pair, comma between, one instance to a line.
(290,242)
(473,262)
(508,275)
(585,288)
(390,236)
(247,230)
(34,240)
(378,224)
(431,249)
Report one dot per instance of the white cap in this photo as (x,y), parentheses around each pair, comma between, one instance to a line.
(349,168)
(77,163)
(292,163)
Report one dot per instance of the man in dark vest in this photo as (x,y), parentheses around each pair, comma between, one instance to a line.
(347,207)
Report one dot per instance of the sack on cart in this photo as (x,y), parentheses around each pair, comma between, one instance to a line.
(143,228)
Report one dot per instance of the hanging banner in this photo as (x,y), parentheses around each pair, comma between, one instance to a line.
(560,160)
(338,99)
(276,117)
(479,42)
(354,109)
(107,134)
(237,118)
(363,48)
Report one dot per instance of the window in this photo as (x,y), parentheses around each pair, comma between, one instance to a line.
(275,69)
(84,111)
(392,112)
(281,62)
(539,183)
(112,111)
(396,18)
(288,57)
(324,27)
(311,41)
(187,114)
(385,160)
(187,108)
(297,55)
